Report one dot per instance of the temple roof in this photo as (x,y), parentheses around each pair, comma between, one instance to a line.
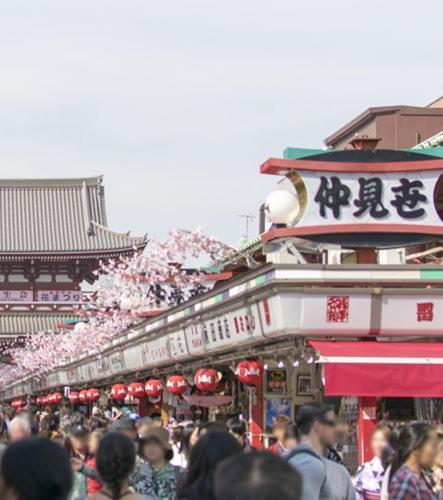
(16,324)
(58,216)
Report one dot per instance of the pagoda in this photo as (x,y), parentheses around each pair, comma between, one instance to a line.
(53,233)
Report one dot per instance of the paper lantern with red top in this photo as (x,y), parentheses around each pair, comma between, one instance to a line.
(74,397)
(45,399)
(154,388)
(17,403)
(249,372)
(119,392)
(176,384)
(83,396)
(206,379)
(137,389)
(50,398)
(93,394)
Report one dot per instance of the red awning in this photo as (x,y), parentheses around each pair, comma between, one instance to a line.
(383,369)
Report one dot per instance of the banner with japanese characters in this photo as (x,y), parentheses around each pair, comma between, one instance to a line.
(370,198)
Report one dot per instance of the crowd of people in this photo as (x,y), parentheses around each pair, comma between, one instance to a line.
(63,455)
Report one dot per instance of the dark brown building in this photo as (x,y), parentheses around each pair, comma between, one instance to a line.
(395,127)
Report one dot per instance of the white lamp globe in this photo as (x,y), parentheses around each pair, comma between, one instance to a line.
(282,207)
(80,327)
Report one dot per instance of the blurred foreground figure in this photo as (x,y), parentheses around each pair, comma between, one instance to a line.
(258,476)
(19,428)
(35,469)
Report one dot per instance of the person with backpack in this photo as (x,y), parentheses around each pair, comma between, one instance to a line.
(322,479)
(154,476)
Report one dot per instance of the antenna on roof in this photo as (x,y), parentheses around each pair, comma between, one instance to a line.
(248,218)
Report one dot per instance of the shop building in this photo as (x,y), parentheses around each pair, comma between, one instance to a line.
(390,127)
(365,336)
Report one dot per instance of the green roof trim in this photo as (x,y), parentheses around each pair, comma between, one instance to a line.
(431,274)
(437,151)
(297,153)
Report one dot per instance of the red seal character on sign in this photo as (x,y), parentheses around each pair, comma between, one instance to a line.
(337,309)
(425,311)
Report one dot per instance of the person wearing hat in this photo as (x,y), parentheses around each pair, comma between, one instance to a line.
(155,477)
(126,426)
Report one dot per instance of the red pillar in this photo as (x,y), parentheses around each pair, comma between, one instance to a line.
(256,416)
(367,419)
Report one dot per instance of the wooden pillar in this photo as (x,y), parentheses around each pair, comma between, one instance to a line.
(256,416)
(367,420)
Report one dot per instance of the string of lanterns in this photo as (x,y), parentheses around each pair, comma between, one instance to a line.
(248,372)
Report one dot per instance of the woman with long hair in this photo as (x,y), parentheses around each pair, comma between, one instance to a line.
(211,449)
(115,462)
(412,461)
(369,478)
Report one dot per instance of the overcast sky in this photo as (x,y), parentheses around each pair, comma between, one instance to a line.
(177,103)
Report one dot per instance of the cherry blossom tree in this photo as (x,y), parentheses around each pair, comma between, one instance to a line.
(132,288)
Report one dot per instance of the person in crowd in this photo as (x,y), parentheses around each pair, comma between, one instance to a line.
(144,425)
(321,478)
(155,477)
(414,457)
(115,463)
(76,445)
(369,477)
(19,428)
(290,439)
(237,427)
(257,476)
(178,459)
(183,449)
(3,437)
(37,469)
(126,426)
(209,451)
(208,427)
(93,482)
(157,420)
(437,471)
(279,426)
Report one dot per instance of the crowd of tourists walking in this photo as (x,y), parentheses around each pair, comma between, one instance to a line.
(64,455)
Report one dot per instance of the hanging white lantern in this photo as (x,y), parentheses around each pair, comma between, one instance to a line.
(282,207)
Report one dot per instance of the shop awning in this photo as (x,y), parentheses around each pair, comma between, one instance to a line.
(383,369)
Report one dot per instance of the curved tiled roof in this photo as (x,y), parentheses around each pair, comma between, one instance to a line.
(13,324)
(42,216)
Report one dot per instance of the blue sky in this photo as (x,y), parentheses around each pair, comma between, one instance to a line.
(178,102)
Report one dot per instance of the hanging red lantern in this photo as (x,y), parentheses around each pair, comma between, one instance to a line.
(56,397)
(176,384)
(16,404)
(119,392)
(206,379)
(154,388)
(136,389)
(50,398)
(74,397)
(45,400)
(83,396)
(93,394)
(249,372)
(40,400)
